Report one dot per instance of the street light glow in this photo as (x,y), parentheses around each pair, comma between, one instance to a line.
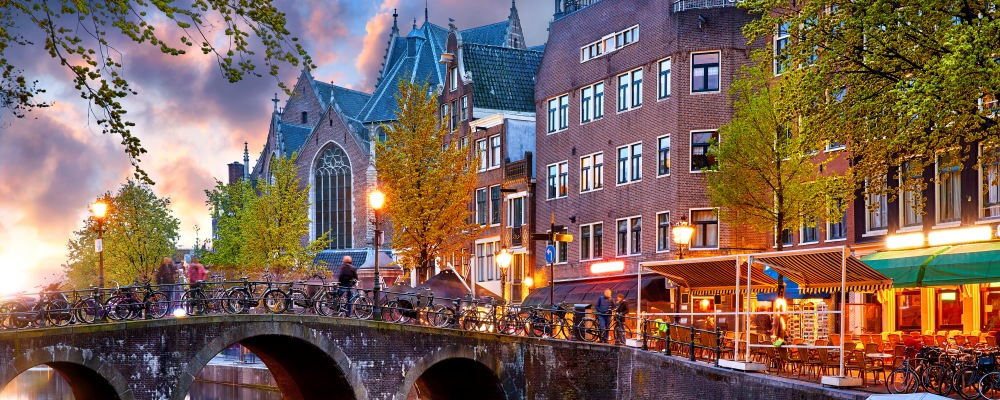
(376,199)
(504,258)
(682,232)
(100,209)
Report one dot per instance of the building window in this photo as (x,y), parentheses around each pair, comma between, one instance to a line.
(607,44)
(910,184)
(465,108)
(836,230)
(305,117)
(558,177)
(562,252)
(949,309)
(630,163)
(705,72)
(663,231)
(332,195)
(454,115)
(990,173)
(495,205)
(949,187)
(786,237)
(629,236)
(663,157)
(837,96)
(454,79)
(663,87)
(558,113)
(463,142)
(591,172)
(517,212)
(485,267)
(592,102)
(481,209)
(781,58)
(483,154)
(630,90)
(810,231)
(706,229)
(908,315)
(877,212)
(701,160)
(495,151)
(590,243)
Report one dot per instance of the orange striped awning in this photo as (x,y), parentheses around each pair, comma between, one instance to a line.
(713,275)
(820,270)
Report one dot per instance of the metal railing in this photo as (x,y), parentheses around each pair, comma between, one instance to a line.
(684,5)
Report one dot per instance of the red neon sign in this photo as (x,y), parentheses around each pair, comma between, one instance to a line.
(605,267)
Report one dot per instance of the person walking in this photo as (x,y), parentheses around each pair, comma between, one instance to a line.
(604,304)
(346,280)
(196,272)
(621,310)
(166,279)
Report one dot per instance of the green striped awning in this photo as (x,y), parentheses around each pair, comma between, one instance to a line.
(906,268)
(964,264)
(823,270)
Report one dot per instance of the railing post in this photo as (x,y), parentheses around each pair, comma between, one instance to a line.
(645,327)
(718,345)
(666,348)
(691,329)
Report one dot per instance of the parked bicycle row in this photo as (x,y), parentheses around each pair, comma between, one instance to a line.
(971,373)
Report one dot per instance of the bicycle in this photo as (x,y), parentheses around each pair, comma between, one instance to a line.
(52,307)
(323,301)
(90,309)
(128,305)
(904,379)
(241,299)
(966,380)
(353,302)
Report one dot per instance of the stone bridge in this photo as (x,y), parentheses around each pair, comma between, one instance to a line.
(328,358)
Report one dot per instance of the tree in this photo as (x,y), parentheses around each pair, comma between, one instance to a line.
(139,231)
(767,173)
(87,38)
(426,183)
(889,79)
(262,227)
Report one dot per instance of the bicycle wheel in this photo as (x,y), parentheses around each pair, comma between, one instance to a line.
(989,386)
(537,326)
(119,309)
(510,324)
(193,302)
(86,311)
(362,308)
(440,316)
(902,381)
(589,331)
(937,379)
(297,300)
(327,304)
(560,329)
(471,320)
(157,305)
(18,315)
(57,312)
(391,312)
(966,383)
(275,301)
(238,301)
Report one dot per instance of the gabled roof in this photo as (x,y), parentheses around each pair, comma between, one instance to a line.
(503,78)
(419,66)
(350,101)
(323,90)
(493,34)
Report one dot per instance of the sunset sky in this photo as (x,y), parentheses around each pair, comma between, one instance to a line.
(191,120)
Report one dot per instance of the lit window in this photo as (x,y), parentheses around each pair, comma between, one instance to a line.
(705,72)
(911,185)
(990,185)
(877,212)
(607,44)
(483,154)
(591,171)
(495,205)
(706,229)
(558,174)
(701,160)
(663,86)
(495,151)
(949,187)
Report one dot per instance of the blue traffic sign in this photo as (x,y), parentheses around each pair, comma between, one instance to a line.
(550,254)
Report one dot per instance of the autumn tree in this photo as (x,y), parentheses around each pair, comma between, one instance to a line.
(88,38)
(140,230)
(426,183)
(262,227)
(767,168)
(909,78)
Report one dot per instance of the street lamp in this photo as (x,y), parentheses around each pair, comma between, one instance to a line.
(682,236)
(503,259)
(100,210)
(376,199)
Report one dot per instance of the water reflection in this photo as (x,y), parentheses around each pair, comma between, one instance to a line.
(43,383)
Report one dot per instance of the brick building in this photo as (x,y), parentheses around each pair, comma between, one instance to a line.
(628,96)
(488,102)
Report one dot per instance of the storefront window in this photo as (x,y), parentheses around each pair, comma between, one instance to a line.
(908,317)
(949,309)
(991,309)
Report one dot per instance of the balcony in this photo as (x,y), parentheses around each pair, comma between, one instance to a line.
(516,170)
(568,7)
(684,5)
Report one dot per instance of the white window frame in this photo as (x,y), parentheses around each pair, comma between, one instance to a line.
(592,246)
(691,74)
(609,43)
(802,232)
(661,81)
(715,133)
(829,229)
(453,84)
(483,154)
(511,201)
(884,208)
(667,233)
(465,108)
(496,152)
(628,236)
(904,203)
(939,210)
(558,178)
(591,111)
(558,117)
(630,168)
(631,91)
(987,187)
(494,209)
(781,38)
(594,176)
(659,161)
(484,209)
(718,227)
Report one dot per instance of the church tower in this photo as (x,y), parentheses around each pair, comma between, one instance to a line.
(515,37)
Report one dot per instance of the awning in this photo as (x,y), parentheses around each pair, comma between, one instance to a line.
(712,275)
(587,292)
(904,267)
(820,270)
(964,264)
(792,290)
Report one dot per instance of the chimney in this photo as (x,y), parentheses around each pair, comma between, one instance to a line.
(235,172)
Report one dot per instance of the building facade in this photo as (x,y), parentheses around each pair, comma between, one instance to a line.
(487,102)
(628,98)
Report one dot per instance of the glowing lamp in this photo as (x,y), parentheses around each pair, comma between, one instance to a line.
(904,241)
(376,199)
(527,282)
(704,304)
(504,258)
(605,267)
(962,235)
(780,304)
(180,313)
(100,209)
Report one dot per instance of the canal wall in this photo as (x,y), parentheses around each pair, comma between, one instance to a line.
(256,375)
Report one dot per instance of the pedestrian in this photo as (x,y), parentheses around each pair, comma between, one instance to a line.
(621,310)
(604,314)
(166,279)
(346,280)
(196,272)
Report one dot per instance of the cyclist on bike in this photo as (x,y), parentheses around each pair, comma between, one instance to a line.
(347,278)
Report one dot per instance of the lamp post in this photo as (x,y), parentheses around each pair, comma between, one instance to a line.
(100,210)
(682,236)
(503,259)
(376,199)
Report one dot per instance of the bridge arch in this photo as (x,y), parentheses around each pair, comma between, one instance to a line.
(305,364)
(88,376)
(454,373)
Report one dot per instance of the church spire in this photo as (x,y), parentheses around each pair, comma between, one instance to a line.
(246,160)
(515,36)
(395,26)
(427,15)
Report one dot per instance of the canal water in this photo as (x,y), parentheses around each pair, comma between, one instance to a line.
(46,384)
